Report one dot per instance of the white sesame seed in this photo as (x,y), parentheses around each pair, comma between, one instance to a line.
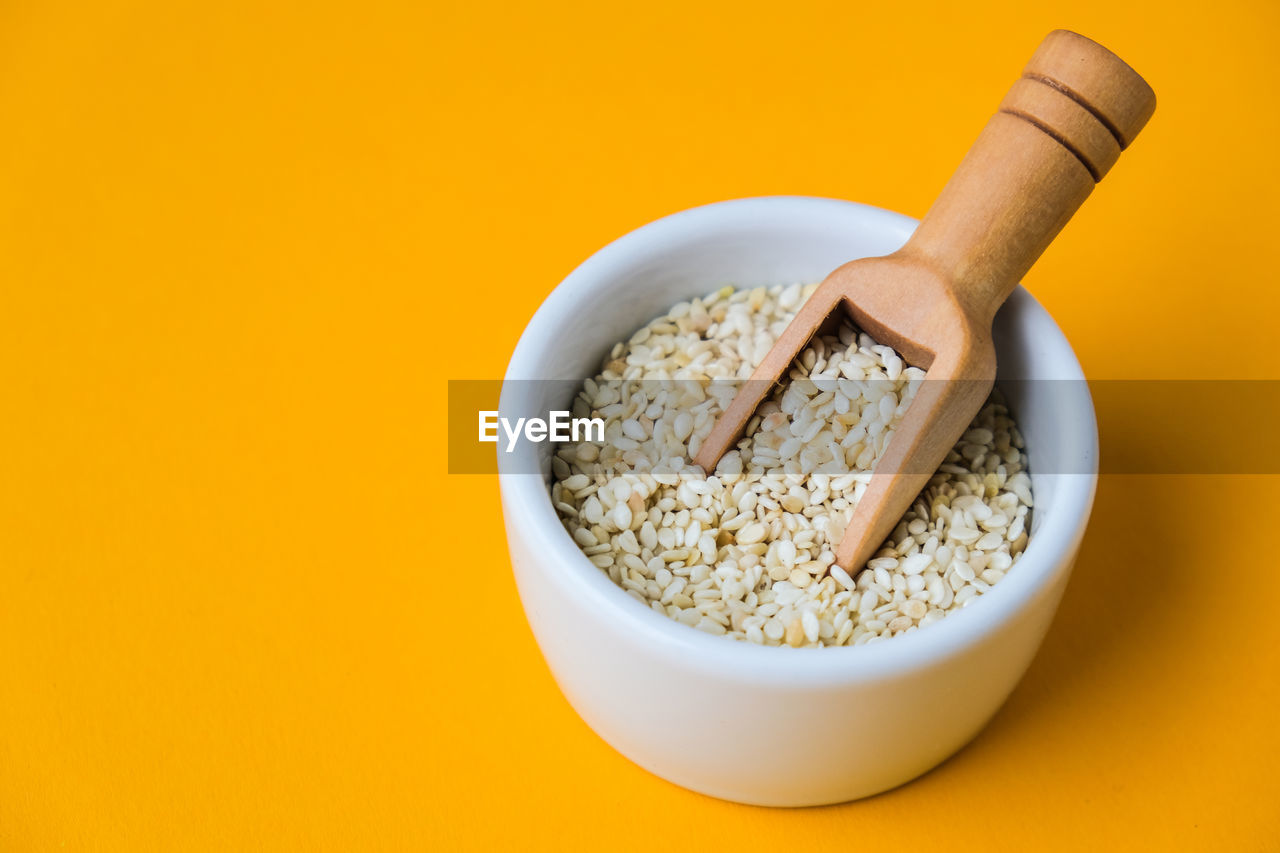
(749,553)
(914,609)
(842,577)
(752,533)
(809,622)
(916,563)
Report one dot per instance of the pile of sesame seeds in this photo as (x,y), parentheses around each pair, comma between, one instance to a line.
(749,551)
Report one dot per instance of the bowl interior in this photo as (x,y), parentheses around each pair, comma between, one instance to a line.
(782,240)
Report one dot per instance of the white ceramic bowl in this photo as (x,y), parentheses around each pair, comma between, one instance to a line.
(780,726)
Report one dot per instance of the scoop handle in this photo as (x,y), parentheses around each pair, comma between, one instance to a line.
(1060,128)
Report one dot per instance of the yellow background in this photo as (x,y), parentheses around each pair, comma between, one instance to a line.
(242,247)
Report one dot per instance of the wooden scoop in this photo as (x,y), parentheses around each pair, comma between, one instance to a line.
(1057,132)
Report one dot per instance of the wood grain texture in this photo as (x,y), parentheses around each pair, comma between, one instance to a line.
(1059,129)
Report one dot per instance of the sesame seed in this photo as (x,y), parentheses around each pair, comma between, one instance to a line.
(748,552)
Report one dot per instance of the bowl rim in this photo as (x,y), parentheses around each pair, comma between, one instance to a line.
(530,514)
